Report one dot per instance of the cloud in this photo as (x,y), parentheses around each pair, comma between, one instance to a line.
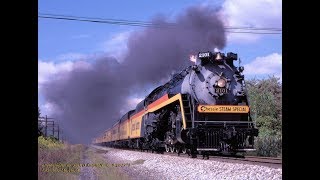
(71,56)
(267,65)
(131,104)
(78,57)
(49,70)
(116,46)
(248,13)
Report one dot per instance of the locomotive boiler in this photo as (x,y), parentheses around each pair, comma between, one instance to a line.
(203,109)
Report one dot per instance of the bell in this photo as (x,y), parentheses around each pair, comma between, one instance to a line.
(218,57)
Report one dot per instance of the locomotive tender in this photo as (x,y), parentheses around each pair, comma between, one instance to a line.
(203,109)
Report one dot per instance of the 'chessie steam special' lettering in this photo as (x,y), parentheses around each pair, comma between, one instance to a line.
(222,109)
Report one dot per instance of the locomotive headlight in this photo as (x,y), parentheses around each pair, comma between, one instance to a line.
(221,83)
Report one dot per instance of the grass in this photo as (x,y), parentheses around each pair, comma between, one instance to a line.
(58,160)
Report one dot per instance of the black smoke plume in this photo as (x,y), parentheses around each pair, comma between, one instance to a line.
(90,100)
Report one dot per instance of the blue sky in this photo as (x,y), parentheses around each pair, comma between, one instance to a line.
(60,43)
(85,37)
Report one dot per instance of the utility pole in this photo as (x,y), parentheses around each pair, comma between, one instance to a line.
(58,132)
(46,126)
(53,128)
(61,136)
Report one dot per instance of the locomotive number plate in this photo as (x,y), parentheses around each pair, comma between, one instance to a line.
(221,90)
(222,109)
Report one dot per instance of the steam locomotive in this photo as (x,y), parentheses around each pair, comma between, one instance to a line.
(203,109)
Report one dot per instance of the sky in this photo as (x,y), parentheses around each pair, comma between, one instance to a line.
(64,45)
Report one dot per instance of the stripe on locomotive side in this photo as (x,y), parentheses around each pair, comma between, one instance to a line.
(177,97)
(158,101)
(137,118)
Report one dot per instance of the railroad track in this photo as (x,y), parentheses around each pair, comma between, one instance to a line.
(272,160)
(255,160)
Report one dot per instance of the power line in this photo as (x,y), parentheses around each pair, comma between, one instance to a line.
(253,32)
(253,28)
(145,22)
(250,30)
(94,18)
(96,21)
(104,20)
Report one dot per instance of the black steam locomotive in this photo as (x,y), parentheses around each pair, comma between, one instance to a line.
(203,109)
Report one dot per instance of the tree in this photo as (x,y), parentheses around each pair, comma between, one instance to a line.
(40,133)
(265,99)
(39,113)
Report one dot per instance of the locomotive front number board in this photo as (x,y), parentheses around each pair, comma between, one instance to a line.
(222,109)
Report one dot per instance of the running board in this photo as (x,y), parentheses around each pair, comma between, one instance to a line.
(245,149)
(207,149)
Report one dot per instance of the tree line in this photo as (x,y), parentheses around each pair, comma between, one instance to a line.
(265,100)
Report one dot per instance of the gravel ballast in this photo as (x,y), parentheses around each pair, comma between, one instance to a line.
(159,166)
(86,173)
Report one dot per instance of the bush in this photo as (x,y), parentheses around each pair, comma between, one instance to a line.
(49,143)
(269,146)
